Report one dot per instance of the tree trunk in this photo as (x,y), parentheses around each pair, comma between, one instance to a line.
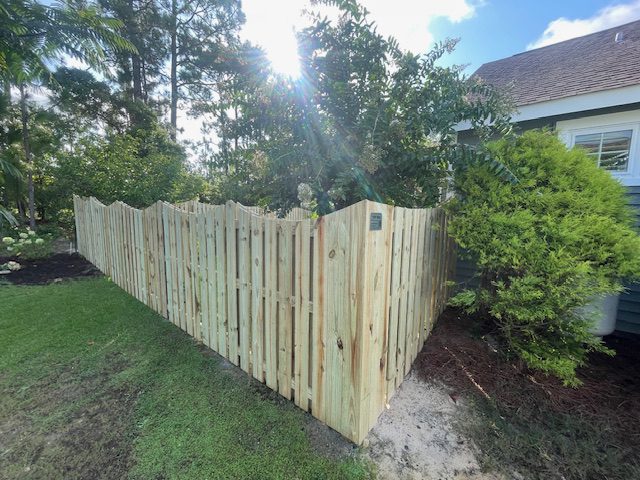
(6,91)
(136,64)
(137,77)
(27,155)
(20,211)
(174,69)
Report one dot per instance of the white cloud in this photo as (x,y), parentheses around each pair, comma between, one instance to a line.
(563,28)
(272,23)
(408,21)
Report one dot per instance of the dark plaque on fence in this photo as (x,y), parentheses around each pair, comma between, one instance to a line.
(375,221)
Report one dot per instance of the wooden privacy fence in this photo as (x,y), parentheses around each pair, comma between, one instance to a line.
(330,313)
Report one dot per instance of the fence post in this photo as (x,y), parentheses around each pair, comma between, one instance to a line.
(374,259)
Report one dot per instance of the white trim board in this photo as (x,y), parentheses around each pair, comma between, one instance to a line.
(576,103)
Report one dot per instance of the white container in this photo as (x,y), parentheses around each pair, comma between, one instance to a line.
(603,311)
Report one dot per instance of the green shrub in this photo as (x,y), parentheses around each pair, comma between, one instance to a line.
(25,243)
(545,245)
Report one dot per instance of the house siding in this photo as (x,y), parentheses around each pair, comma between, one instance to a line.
(465,273)
(628,319)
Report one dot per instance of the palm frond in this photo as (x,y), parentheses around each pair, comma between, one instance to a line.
(33,35)
(6,215)
(10,170)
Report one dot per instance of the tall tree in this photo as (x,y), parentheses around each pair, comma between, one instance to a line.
(33,36)
(203,37)
(365,120)
(26,145)
(139,72)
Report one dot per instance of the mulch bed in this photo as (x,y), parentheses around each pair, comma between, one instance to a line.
(469,365)
(51,269)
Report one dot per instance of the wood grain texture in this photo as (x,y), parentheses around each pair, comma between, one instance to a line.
(329,312)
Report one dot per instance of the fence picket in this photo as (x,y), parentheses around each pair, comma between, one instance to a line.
(212,281)
(232,283)
(331,315)
(244,295)
(221,269)
(301,326)
(257,297)
(271,308)
(285,325)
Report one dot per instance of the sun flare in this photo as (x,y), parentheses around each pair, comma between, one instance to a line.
(282,52)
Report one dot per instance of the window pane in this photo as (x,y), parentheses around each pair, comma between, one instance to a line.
(589,142)
(614,161)
(616,141)
(611,149)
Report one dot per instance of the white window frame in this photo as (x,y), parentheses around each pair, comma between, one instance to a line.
(634,127)
(570,129)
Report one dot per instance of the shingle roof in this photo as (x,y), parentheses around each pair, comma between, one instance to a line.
(581,65)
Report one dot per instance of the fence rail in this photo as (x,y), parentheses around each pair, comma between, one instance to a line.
(330,313)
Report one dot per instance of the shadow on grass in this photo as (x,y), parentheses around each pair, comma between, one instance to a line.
(95,385)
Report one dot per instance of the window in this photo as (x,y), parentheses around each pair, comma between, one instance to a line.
(610,149)
(612,140)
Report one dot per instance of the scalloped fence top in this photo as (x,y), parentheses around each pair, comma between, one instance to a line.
(328,312)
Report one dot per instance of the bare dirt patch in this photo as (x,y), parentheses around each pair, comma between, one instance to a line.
(91,438)
(610,390)
(55,268)
(416,439)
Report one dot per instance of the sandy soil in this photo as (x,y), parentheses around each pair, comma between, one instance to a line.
(415,437)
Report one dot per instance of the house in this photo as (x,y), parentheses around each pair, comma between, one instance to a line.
(588,90)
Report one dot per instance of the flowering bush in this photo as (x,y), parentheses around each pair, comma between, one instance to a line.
(26,244)
(9,267)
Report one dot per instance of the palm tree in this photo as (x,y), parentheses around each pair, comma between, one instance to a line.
(34,37)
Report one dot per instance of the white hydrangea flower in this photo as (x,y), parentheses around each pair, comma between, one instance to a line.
(9,249)
(8,240)
(13,266)
(305,195)
(23,235)
(27,242)
(39,241)
(31,233)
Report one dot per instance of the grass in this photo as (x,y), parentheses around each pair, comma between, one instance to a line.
(93,384)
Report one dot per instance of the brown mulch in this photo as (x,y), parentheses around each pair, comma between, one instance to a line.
(469,365)
(50,269)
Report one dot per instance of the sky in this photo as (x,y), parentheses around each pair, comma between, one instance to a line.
(488,29)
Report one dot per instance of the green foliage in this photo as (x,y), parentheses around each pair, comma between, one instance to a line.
(159,407)
(137,170)
(365,120)
(25,243)
(545,245)
(33,35)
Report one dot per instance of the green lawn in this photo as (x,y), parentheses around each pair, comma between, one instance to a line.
(93,384)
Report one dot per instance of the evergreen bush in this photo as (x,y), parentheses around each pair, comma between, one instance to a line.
(545,245)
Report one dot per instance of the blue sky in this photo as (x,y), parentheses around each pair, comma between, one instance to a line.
(488,29)
(502,28)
